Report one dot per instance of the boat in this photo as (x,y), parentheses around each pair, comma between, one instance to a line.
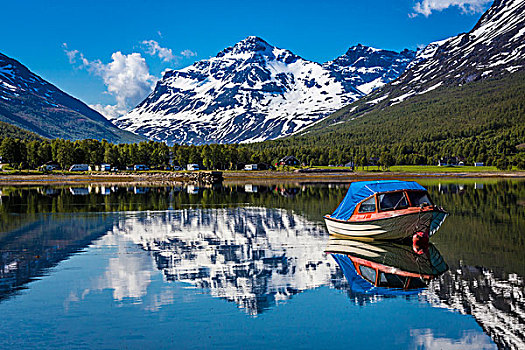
(386,267)
(385,210)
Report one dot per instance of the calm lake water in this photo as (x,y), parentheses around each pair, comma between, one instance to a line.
(247,266)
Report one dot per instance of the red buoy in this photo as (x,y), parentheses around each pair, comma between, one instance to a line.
(420,241)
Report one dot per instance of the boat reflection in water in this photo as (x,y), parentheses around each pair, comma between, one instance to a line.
(386,268)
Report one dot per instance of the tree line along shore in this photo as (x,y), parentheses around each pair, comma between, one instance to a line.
(31,154)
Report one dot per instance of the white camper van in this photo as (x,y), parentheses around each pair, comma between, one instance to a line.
(79,167)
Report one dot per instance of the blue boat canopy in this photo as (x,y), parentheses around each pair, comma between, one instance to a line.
(363,189)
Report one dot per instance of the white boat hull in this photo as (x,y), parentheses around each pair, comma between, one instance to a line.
(393,228)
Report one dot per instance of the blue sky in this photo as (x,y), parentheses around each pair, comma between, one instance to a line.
(34,33)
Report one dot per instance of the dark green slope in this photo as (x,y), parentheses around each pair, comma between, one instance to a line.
(8,130)
(481,109)
(60,122)
(482,121)
(31,103)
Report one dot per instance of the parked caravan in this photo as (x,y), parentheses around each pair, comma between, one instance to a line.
(79,167)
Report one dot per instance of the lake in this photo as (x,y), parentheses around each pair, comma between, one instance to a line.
(247,266)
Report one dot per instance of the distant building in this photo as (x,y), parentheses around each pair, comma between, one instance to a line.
(290,161)
(192,189)
(79,167)
(103,190)
(140,190)
(373,161)
(79,191)
(249,188)
(103,167)
(448,161)
(50,166)
(140,167)
(250,167)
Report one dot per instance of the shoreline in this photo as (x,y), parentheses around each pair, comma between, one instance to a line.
(236,177)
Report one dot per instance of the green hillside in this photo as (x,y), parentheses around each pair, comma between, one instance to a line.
(480,121)
(8,130)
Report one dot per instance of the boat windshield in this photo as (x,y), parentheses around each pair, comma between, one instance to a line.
(368,206)
(416,283)
(391,280)
(392,200)
(419,198)
(368,273)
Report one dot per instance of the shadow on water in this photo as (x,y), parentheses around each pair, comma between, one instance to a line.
(258,246)
(41,242)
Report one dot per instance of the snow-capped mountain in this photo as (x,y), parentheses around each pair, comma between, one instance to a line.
(253,91)
(495,46)
(367,69)
(30,102)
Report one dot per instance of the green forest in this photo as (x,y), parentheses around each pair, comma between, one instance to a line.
(482,121)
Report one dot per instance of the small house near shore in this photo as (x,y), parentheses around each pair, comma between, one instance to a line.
(448,161)
(290,161)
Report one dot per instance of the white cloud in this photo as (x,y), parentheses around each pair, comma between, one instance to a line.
(154,49)
(426,7)
(188,53)
(109,111)
(71,54)
(126,77)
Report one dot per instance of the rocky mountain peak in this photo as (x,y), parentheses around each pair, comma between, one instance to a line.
(251,44)
(367,68)
(361,55)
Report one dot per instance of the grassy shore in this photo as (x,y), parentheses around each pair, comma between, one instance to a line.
(420,169)
(328,174)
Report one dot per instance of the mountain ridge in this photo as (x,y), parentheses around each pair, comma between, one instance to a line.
(456,61)
(251,91)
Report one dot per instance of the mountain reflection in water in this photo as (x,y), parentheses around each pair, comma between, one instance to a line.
(255,257)
(258,246)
